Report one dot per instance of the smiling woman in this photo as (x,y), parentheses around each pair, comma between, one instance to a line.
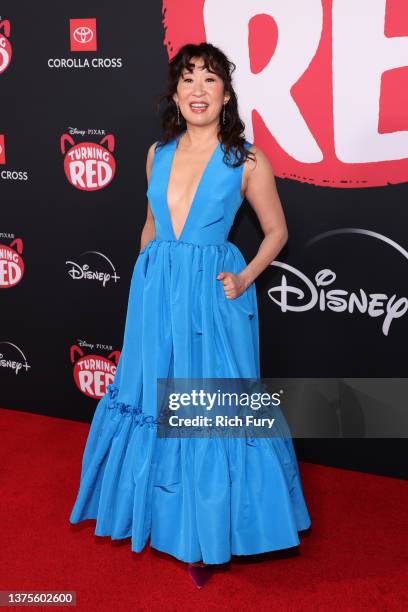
(192,313)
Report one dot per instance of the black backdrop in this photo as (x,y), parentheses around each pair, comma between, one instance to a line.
(49,318)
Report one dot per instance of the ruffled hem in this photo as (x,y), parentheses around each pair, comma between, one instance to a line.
(136,412)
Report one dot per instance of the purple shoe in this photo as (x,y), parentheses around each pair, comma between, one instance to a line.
(200,574)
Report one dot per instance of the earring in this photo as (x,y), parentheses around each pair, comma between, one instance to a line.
(178,114)
(223,113)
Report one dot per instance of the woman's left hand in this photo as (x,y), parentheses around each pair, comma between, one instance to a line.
(233,284)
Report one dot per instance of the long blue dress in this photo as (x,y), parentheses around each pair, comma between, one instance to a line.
(196,498)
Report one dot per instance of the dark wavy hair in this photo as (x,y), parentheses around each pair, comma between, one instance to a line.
(231,133)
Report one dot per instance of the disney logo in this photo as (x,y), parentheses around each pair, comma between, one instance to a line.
(336,300)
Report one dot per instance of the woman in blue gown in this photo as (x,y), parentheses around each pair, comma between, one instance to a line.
(192,312)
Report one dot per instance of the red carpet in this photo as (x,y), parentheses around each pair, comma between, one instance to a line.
(354,558)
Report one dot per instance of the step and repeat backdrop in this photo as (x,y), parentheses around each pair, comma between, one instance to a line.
(322,90)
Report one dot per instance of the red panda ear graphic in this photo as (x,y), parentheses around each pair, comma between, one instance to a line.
(74,351)
(110,142)
(114,355)
(18,245)
(65,138)
(5,25)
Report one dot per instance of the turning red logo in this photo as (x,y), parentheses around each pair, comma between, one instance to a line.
(93,373)
(88,165)
(2,150)
(11,264)
(83,34)
(322,89)
(5,46)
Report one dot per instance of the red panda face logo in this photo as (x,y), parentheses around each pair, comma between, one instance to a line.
(5,46)
(93,373)
(11,264)
(89,166)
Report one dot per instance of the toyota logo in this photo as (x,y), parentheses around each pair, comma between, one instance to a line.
(83,35)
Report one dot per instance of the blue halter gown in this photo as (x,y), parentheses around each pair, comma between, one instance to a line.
(196,498)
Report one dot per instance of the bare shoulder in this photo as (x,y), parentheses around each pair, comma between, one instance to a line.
(256,165)
(150,152)
(260,161)
(150,157)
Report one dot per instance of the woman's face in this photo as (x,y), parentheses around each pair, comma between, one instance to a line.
(200,87)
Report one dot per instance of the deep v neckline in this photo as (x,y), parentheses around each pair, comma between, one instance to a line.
(196,193)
